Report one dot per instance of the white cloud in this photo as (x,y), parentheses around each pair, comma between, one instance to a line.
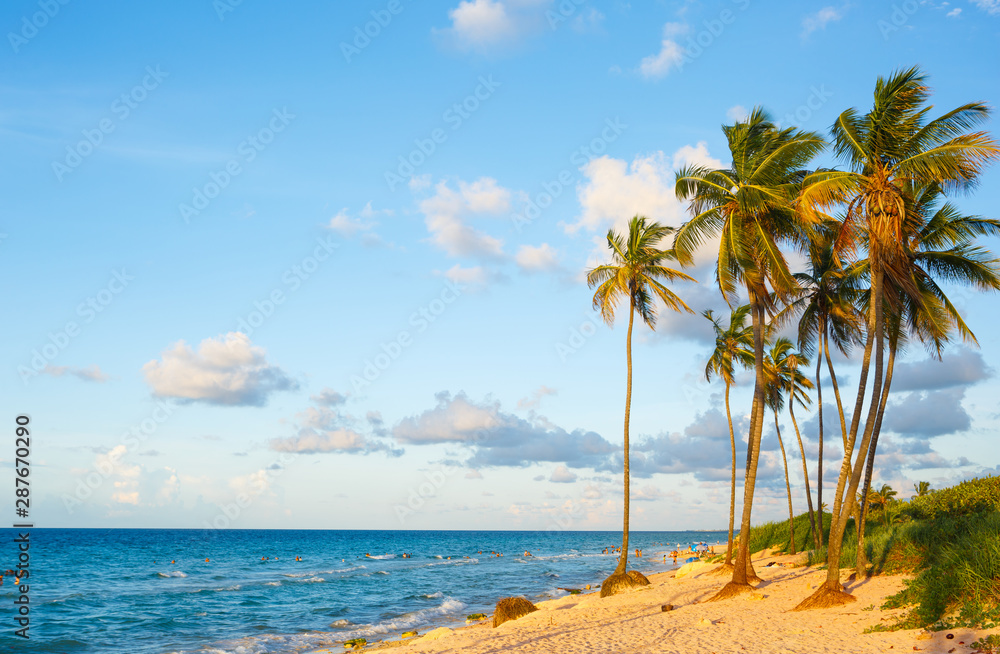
(349,227)
(562,475)
(446,211)
(329,397)
(537,258)
(615,190)
(490,25)
(989,6)
(737,113)
(954,13)
(588,21)
(227,370)
(90,373)
(325,429)
(535,398)
(670,56)
(820,20)
(497,438)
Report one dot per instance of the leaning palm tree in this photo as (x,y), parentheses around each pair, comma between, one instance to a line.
(634,275)
(733,346)
(887,150)
(939,242)
(826,302)
(748,206)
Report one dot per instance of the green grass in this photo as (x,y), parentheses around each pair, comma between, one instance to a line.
(948,540)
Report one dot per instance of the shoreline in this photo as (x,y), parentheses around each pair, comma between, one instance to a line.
(761,623)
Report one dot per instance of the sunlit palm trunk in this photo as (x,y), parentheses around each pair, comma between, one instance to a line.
(740,575)
(850,475)
(732,483)
(818,535)
(788,487)
(836,386)
(622,561)
(861,566)
(805,474)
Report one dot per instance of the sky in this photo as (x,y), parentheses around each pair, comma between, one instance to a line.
(322,265)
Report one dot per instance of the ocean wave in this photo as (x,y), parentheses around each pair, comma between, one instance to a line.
(297,575)
(382,556)
(340,624)
(167,575)
(449,607)
(437,595)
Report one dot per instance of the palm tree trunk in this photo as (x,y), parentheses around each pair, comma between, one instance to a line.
(861,566)
(732,482)
(623,559)
(805,476)
(818,536)
(850,475)
(788,487)
(836,386)
(741,577)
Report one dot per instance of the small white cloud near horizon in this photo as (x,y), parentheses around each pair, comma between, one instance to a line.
(820,20)
(562,475)
(92,373)
(670,56)
(225,371)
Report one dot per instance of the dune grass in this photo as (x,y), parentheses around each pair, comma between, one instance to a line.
(948,540)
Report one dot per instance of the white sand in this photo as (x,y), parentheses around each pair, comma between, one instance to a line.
(633,622)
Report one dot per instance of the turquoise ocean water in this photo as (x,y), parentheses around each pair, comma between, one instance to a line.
(96,590)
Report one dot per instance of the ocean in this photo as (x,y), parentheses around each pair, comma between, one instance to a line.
(160,591)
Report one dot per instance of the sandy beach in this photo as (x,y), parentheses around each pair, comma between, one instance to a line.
(633,622)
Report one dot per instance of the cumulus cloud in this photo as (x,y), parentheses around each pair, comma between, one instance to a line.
(959,367)
(670,56)
(924,414)
(488,26)
(325,429)
(227,370)
(820,19)
(562,475)
(614,190)
(542,258)
(447,211)
(497,438)
(90,373)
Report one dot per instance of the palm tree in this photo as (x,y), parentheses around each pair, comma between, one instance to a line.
(826,303)
(888,150)
(922,488)
(634,274)
(733,345)
(939,241)
(775,400)
(748,206)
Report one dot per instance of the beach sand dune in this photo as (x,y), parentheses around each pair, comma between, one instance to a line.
(634,623)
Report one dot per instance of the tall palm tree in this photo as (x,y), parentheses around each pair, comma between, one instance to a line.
(733,345)
(922,488)
(888,149)
(634,275)
(939,241)
(775,400)
(826,304)
(748,206)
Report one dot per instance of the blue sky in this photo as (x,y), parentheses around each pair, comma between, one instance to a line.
(328,260)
